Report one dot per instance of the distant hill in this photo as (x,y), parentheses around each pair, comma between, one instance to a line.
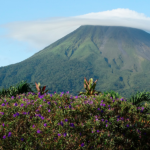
(119,57)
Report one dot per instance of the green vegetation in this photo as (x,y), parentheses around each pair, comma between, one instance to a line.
(108,54)
(37,120)
(34,121)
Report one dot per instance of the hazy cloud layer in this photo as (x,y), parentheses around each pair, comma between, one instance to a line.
(42,33)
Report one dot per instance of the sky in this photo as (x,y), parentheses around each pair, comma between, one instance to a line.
(28,26)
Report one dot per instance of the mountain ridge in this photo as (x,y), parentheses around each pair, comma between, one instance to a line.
(117,56)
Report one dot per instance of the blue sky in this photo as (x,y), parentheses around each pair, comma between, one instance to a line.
(28,26)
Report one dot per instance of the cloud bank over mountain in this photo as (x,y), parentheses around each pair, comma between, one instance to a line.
(40,33)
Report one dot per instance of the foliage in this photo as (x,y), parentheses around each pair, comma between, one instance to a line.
(40,90)
(105,121)
(90,89)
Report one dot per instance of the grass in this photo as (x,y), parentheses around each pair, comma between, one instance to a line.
(107,121)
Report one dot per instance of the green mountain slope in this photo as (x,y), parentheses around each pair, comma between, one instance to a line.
(119,57)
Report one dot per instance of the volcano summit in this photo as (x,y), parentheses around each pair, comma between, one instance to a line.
(119,57)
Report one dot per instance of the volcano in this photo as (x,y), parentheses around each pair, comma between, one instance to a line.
(119,57)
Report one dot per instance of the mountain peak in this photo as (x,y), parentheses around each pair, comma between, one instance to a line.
(117,56)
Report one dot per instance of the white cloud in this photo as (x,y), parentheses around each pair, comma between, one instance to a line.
(42,33)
